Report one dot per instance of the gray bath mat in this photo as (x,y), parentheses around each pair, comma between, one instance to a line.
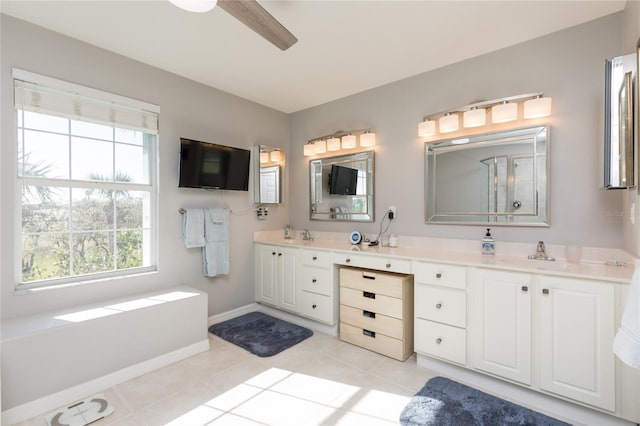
(260,334)
(443,402)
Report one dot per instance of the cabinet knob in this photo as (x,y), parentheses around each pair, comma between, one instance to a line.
(439,340)
(279,254)
(314,280)
(388,265)
(438,305)
(315,257)
(438,275)
(273,253)
(348,260)
(545,291)
(525,288)
(314,306)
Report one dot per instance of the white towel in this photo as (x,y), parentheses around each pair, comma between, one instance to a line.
(193,228)
(215,253)
(626,344)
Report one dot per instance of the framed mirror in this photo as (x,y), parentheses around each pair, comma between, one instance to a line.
(494,178)
(342,187)
(268,175)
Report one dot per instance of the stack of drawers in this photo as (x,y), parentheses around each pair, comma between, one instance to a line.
(441,311)
(317,286)
(376,311)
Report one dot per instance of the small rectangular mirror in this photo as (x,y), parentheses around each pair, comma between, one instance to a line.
(268,180)
(342,188)
(493,178)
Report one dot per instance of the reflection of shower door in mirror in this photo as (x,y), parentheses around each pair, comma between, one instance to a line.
(510,186)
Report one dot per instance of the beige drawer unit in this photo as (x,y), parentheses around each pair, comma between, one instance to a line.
(442,341)
(441,304)
(440,274)
(376,311)
(379,263)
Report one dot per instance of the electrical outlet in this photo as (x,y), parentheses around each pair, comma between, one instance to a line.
(392,209)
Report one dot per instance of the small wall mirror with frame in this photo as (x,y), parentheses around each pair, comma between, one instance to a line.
(268,185)
(497,178)
(342,187)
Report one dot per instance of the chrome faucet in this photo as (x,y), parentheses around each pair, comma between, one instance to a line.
(541,253)
(306,235)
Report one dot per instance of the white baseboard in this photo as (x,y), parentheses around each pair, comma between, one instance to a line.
(214,319)
(59,399)
(554,407)
(283,315)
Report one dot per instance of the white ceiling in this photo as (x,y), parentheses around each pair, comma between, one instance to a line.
(344,47)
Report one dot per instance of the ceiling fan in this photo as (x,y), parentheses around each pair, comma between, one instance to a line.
(250,13)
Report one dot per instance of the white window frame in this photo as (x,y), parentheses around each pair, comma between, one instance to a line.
(146,109)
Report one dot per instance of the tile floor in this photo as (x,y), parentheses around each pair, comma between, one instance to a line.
(321,381)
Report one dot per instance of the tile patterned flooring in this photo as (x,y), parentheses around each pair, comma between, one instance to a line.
(321,381)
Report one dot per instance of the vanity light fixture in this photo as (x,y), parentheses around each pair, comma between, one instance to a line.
(321,146)
(367,139)
(333,144)
(348,141)
(460,141)
(537,107)
(340,140)
(426,128)
(502,110)
(309,149)
(275,156)
(264,157)
(449,122)
(475,117)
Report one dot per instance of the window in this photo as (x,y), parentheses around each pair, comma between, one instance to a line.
(87,177)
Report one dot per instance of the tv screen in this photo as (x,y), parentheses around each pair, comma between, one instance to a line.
(343,180)
(207,165)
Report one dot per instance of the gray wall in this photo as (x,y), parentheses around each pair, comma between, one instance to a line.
(567,65)
(187,109)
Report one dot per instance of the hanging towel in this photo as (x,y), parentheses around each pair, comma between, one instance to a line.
(193,228)
(215,253)
(626,344)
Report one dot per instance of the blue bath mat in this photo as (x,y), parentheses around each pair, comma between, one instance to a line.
(260,334)
(443,402)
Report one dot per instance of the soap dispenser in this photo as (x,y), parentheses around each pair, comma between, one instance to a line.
(488,243)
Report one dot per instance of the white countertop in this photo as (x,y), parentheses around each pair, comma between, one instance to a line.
(456,252)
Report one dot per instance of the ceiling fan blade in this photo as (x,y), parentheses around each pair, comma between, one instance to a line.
(254,16)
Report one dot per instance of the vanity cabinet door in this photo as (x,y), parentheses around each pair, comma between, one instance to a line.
(502,321)
(576,336)
(289,279)
(266,274)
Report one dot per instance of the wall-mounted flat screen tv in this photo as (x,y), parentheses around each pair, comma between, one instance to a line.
(212,166)
(343,180)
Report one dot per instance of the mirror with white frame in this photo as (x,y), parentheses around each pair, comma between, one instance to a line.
(268,185)
(494,178)
(342,187)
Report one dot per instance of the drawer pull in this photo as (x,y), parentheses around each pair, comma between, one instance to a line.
(315,257)
(314,280)
(348,260)
(545,291)
(388,265)
(273,253)
(368,314)
(368,295)
(438,305)
(439,340)
(369,333)
(439,275)
(314,306)
(525,288)
(368,276)
(279,254)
